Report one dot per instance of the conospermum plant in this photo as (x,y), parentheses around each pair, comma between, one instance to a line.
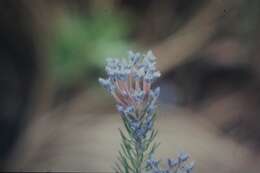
(130,82)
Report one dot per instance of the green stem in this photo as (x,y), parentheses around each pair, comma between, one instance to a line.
(138,157)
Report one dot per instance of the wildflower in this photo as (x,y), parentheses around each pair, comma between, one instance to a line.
(179,165)
(130,83)
(183,157)
(172,163)
(153,164)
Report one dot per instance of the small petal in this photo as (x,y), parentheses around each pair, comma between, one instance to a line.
(134,57)
(189,167)
(129,110)
(107,84)
(138,95)
(183,157)
(172,163)
(157,92)
(120,108)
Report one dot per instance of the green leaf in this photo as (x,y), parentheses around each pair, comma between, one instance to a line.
(117,168)
(129,156)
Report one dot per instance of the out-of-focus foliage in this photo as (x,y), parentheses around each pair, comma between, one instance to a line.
(250,13)
(82,43)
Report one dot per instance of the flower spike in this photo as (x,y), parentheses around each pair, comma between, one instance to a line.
(130,83)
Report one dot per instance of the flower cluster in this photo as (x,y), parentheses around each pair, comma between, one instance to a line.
(130,83)
(179,165)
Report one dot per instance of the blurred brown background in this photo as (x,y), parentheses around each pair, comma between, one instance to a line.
(55,117)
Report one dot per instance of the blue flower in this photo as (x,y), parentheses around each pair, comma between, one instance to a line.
(107,84)
(134,57)
(172,163)
(183,157)
(138,95)
(129,81)
(152,163)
